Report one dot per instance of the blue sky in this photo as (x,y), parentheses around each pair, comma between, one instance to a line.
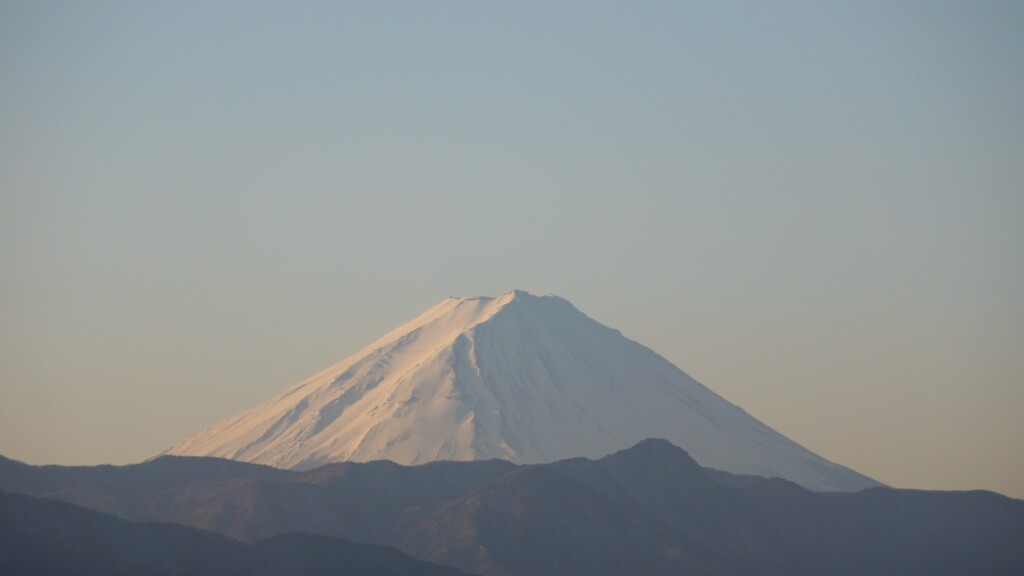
(816,209)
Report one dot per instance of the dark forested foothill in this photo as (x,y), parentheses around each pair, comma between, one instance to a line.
(649,509)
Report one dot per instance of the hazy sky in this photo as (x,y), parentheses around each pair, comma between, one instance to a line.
(814,208)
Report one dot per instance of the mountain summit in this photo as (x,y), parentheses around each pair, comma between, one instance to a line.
(518,377)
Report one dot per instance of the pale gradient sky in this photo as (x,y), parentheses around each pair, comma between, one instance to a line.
(814,208)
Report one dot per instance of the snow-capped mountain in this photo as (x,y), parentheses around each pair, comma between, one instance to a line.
(519,377)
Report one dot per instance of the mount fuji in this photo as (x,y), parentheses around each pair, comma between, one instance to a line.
(524,378)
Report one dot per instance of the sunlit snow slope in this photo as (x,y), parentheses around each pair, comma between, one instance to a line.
(519,377)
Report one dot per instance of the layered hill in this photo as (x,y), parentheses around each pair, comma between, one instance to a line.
(649,509)
(518,377)
(44,537)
